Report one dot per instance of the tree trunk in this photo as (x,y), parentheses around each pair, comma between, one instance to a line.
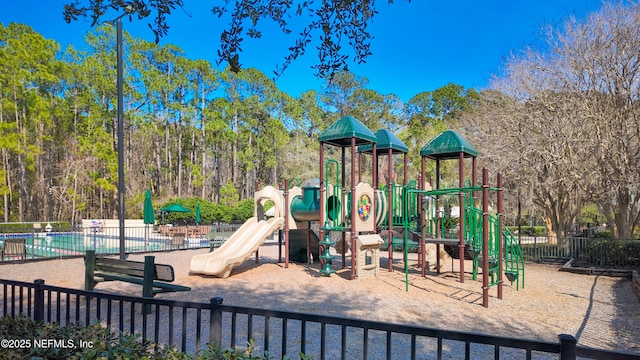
(179,156)
(192,159)
(234,169)
(202,145)
(22,170)
(167,151)
(6,181)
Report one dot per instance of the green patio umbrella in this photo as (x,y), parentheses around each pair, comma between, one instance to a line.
(198,217)
(175,208)
(148,215)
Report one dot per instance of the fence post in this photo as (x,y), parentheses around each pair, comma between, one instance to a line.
(601,254)
(567,347)
(147,282)
(89,269)
(38,301)
(215,322)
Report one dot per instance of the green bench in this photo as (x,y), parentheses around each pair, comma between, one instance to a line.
(217,238)
(154,278)
(215,243)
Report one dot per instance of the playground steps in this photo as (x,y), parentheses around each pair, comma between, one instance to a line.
(549,260)
(451,247)
(511,275)
(414,236)
(398,239)
(298,246)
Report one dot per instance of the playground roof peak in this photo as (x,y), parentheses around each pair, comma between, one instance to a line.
(340,133)
(448,145)
(386,141)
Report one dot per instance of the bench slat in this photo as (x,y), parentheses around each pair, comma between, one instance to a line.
(120,263)
(134,268)
(119,277)
(162,287)
(121,270)
(164,273)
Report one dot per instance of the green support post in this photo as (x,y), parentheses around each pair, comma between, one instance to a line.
(326,255)
(89,266)
(147,286)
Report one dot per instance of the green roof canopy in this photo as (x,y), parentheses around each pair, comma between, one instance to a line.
(340,133)
(386,140)
(448,145)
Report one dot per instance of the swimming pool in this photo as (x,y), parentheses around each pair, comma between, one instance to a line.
(67,244)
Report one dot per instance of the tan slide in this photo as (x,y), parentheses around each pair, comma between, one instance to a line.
(237,249)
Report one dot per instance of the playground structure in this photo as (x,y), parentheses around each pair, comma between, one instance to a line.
(408,213)
(481,235)
(416,214)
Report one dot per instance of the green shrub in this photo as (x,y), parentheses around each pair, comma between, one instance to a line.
(96,342)
(243,210)
(73,341)
(611,253)
(27,228)
(449,222)
(215,353)
(605,234)
(528,230)
(209,212)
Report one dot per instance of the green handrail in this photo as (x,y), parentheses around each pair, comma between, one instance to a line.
(512,256)
(404,204)
(333,206)
(514,259)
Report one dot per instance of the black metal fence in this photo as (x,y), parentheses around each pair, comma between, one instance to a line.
(587,252)
(189,326)
(106,240)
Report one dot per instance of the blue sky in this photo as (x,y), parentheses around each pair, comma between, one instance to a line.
(418,46)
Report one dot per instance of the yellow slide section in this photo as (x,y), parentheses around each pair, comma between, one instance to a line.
(237,249)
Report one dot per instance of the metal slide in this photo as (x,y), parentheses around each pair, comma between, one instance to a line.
(237,249)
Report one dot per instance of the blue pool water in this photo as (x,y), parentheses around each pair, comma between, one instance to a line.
(64,244)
